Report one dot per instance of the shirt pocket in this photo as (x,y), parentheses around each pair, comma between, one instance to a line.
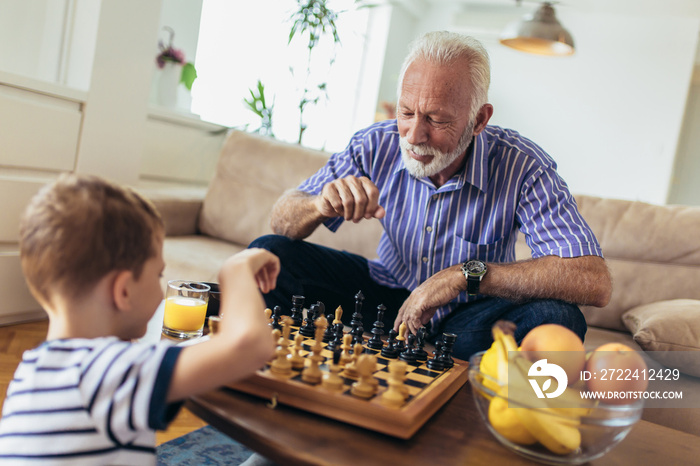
(496,251)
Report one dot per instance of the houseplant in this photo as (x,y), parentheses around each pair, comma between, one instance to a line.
(174,70)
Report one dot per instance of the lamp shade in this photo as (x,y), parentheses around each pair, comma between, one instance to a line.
(539,33)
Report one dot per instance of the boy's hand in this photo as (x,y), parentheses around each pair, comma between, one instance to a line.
(264,266)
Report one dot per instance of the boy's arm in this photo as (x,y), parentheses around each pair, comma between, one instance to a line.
(244,341)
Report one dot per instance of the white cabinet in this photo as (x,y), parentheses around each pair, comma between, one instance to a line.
(38,130)
(18,305)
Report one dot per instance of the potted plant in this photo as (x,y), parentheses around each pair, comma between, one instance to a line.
(174,70)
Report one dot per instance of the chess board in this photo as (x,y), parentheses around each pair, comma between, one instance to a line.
(428,390)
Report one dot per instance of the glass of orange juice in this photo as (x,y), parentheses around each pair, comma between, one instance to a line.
(185,309)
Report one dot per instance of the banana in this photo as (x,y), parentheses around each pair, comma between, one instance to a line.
(489,367)
(559,435)
(504,341)
(502,418)
(557,428)
(506,422)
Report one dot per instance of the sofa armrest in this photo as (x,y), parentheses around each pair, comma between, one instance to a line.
(179,208)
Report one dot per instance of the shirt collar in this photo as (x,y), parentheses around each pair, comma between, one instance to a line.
(477,168)
(475,171)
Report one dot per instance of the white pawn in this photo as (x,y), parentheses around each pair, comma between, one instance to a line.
(365,386)
(331,380)
(346,356)
(296,358)
(351,367)
(397,392)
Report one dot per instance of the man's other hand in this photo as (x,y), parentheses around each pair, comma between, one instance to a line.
(423,302)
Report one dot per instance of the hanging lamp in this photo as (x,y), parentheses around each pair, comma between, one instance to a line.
(539,33)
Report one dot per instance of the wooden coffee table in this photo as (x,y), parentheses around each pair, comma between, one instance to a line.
(455,435)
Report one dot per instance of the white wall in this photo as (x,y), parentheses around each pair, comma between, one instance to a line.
(685,188)
(611,115)
(113,133)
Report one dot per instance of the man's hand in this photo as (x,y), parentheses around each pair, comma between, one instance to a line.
(436,291)
(351,198)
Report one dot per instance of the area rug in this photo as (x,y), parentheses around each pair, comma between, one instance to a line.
(205,446)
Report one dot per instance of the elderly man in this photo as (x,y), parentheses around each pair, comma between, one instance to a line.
(451,193)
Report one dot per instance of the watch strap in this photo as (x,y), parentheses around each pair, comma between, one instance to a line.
(473,283)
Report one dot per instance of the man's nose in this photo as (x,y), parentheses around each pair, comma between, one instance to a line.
(417,132)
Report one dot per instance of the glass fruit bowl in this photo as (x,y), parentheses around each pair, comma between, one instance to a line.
(555,433)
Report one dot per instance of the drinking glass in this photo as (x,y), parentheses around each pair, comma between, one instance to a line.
(185,309)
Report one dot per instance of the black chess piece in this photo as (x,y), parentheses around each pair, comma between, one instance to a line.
(419,351)
(376,341)
(309,327)
(357,330)
(407,354)
(338,333)
(448,342)
(330,331)
(390,351)
(435,363)
(276,316)
(297,310)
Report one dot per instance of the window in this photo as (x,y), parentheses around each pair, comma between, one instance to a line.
(49,40)
(243,42)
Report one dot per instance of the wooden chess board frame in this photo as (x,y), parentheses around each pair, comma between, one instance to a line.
(371,414)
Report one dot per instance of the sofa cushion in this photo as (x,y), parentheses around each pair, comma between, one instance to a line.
(649,251)
(178,206)
(597,336)
(670,331)
(252,173)
(195,257)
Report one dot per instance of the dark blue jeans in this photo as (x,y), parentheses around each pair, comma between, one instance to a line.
(334,277)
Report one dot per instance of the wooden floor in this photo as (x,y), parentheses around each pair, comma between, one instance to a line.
(15,339)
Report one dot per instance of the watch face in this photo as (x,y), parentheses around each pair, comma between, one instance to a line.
(475,267)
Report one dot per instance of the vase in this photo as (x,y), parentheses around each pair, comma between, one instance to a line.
(168,83)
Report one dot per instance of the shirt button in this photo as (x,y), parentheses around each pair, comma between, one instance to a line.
(425,259)
(434,197)
(429,229)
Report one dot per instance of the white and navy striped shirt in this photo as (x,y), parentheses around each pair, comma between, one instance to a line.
(508,184)
(86,402)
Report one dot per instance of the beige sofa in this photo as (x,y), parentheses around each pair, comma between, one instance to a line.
(652,252)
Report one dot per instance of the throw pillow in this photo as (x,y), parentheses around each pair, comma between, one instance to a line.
(670,330)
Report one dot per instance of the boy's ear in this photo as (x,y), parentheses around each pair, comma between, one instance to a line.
(121,290)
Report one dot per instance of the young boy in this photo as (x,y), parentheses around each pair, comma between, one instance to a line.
(91,252)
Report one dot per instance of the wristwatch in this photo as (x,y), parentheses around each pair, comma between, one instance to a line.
(474,271)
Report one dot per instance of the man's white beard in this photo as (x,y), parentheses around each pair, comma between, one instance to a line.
(441,160)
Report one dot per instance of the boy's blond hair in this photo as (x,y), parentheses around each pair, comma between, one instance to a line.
(81,227)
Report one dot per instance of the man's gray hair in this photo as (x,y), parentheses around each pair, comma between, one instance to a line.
(443,48)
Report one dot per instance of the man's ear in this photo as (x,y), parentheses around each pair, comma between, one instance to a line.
(121,290)
(482,118)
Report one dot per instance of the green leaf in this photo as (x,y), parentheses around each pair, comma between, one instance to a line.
(189,74)
(292,32)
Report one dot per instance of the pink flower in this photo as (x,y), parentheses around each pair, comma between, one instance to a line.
(169,54)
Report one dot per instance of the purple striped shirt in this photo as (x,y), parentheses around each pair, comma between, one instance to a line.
(508,184)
